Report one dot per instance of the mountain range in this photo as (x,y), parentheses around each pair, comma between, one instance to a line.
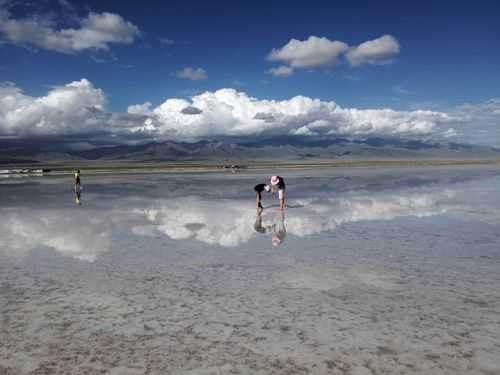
(283,149)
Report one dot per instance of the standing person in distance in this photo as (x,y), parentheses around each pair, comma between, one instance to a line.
(278,184)
(77,180)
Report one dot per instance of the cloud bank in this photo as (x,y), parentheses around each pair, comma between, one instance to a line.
(227,112)
(316,52)
(96,31)
(79,108)
(479,122)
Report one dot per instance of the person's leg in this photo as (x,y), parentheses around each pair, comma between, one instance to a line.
(281,196)
(259,198)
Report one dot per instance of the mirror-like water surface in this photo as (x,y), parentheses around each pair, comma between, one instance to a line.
(365,272)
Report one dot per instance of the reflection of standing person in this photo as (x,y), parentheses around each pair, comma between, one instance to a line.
(259,189)
(278,184)
(279,230)
(78,197)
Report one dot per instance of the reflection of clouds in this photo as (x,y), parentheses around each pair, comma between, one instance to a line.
(85,233)
(78,234)
(215,222)
(483,205)
(230,223)
(325,215)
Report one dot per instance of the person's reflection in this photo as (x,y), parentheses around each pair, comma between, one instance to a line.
(78,196)
(279,229)
(258,223)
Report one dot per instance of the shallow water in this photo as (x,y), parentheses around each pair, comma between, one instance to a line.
(367,272)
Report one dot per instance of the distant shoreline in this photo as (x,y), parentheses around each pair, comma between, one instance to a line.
(122,167)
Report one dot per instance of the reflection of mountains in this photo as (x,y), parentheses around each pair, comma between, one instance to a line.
(84,234)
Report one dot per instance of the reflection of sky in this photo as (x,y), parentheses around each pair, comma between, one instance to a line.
(205,215)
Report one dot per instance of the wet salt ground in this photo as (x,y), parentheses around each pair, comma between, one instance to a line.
(387,271)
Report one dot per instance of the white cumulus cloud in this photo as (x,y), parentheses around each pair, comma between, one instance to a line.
(316,52)
(198,74)
(140,109)
(377,51)
(96,31)
(311,53)
(67,109)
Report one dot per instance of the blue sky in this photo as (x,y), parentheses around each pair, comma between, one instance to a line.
(447,52)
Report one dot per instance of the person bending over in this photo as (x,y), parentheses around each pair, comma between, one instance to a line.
(258,190)
(278,184)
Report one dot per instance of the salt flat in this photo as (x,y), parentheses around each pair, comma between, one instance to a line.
(384,271)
